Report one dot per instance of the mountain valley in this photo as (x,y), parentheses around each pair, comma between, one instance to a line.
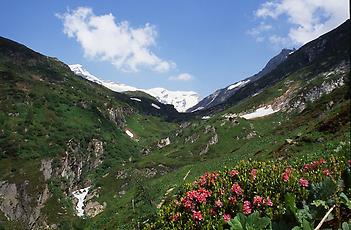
(77,152)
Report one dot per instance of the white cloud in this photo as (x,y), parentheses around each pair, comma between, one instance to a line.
(307,19)
(279,40)
(258,30)
(181,77)
(103,38)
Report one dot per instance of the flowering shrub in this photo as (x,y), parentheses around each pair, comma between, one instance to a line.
(249,187)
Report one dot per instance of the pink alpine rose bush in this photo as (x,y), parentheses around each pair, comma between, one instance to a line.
(249,187)
(218,204)
(257,201)
(227,217)
(233,173)
(287,174)
(253,174)
(197,216)
(247,207)
(236,189)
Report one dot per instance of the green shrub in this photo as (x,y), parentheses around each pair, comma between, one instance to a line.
(253,187)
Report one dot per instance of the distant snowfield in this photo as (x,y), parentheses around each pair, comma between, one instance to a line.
(197,109)
(80,195)
(135,99)
(181,100)
(155,106)
(236,85)
(260,112)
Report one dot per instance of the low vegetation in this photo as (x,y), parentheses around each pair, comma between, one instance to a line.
(273,193)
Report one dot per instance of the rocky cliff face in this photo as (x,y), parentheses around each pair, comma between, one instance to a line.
(298,95)
(77,161)
(19,205)
(300,102)
(22,202)
(118,115)
(311,92)
(212,141)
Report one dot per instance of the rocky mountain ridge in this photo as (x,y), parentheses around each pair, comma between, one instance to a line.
(221,95)
(320,55)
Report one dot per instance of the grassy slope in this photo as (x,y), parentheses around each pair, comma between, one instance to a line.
(43,105)
(269,143)
(52,112)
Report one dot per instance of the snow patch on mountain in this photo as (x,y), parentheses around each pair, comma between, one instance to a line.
(135,99)
(212,97)
(197,109)
(129,133)
(80,195)
(236,85)
(260,112)
(155,106)
(181,100)
(79,70)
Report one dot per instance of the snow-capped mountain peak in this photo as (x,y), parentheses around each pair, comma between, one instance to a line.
(181,100)
(79,70)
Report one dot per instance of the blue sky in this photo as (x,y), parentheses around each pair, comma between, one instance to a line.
(178,45)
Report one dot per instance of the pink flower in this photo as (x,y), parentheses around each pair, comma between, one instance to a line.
(286,174)
(237,189)
(187,203)
(199,195)
(218,203)
(175,217)
(268,202)
(202,181)
(232,199)
(322,161)
(247,207)
(257,201)
(202,195)
(303,182)
(197,215)
(326,172)
(208,178)
(226,217)
(306,167)
(253,173)
(213,212)
(201,198)
(349,161)
(234,173)
(314,165)
(285,177)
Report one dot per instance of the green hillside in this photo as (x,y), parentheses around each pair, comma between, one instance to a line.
(60,133)
(44,107)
